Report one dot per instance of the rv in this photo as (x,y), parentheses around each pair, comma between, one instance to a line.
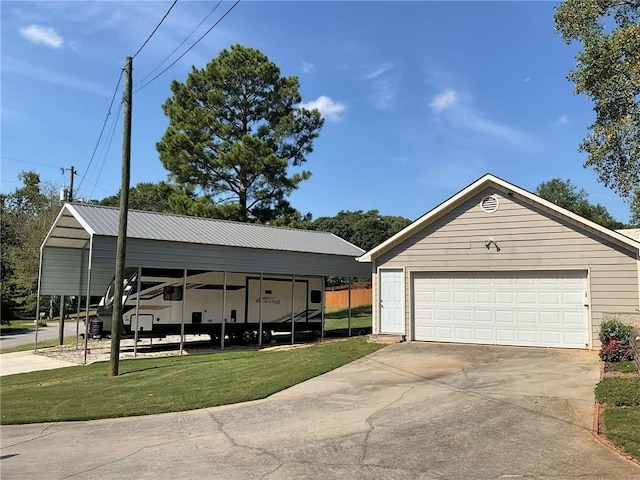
(165,304)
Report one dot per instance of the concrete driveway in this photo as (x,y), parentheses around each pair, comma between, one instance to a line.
(413,410)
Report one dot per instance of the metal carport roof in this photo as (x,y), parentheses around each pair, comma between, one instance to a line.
(80,248)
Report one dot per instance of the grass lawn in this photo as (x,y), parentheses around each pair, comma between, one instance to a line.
(18,325)
(336,321)
(621,417)
(622,428)
(172,384)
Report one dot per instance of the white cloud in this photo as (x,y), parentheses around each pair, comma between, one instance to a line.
(378,71)
(31,70)
(308,67)
(330,109)
(562,119)
(444,100)
(44,35)
(454,110)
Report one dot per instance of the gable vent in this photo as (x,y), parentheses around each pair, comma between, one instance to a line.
(489,204)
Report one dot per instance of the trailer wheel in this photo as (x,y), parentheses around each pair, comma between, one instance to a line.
(248,336)
(266,336)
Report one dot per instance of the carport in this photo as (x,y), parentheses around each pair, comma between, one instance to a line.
(78,255)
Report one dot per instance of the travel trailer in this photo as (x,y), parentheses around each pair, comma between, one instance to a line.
(247,303)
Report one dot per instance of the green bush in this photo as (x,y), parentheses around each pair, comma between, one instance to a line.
(619,391)
(613,327)
(616,352)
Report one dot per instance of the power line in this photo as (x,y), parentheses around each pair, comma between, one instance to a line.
(108,147)
(189,49)
(181,43)
(29,162)
(95,149)
(155,29)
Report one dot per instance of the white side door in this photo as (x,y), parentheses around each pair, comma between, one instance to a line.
(391,302)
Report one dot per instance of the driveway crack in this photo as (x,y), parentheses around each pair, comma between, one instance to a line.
(235,444)
(369,422)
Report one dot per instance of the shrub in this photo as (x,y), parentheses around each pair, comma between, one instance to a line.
(616,352)
(613,327)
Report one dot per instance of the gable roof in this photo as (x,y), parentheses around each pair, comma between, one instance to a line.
(479,185)
(77,222)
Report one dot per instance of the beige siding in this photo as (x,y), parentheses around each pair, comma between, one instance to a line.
(529,238)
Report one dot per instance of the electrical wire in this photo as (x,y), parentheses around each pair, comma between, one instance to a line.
(155,29)
(95,149)
(29,162)
(108,147)
(181,43)
(189,49)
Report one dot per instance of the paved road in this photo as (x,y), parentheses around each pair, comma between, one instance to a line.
(27,337)
(409,411)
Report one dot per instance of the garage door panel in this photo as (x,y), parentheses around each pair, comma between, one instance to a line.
(572,318)
(526,297)
(550,298)
(504,297)
(528,336)
(444,333)
(505,335)
(484,334)
(552,318)
(505,316)
(464,333)
(482,297)
(508,308)
(463,315)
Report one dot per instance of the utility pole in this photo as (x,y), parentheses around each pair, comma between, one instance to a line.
(116,317)
(72,172)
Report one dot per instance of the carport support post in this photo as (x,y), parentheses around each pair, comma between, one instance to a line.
(86,317)
(184,308)
(293,309)
(61,323)
(349,316)
(260,312)
(79,297)
(135,333)
(224,308)
(322,304)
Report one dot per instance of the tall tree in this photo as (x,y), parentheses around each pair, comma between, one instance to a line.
(151,197)
(235,129)
(608,72)
(27,215)
(364,229)
(566,195)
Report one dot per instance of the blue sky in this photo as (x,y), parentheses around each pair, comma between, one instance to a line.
(420,98)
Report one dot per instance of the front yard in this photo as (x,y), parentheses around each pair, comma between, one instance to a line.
(618,394)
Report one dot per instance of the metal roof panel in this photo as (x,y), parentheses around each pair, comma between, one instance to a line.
(176,228)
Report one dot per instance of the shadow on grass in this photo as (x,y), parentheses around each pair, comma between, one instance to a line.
(355,312)
(344,332)
(9,332)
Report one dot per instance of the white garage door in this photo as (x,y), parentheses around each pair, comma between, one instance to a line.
(516,308)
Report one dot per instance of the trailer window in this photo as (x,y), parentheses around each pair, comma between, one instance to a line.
(316,296)
(172,294)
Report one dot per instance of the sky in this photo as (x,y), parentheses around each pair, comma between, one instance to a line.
(420,99)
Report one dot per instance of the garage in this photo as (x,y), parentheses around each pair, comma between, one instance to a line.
(495,264)
(516,308)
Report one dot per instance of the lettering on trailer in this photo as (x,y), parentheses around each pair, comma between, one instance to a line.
(270,300)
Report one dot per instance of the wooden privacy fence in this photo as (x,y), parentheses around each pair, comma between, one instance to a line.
(340,298)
